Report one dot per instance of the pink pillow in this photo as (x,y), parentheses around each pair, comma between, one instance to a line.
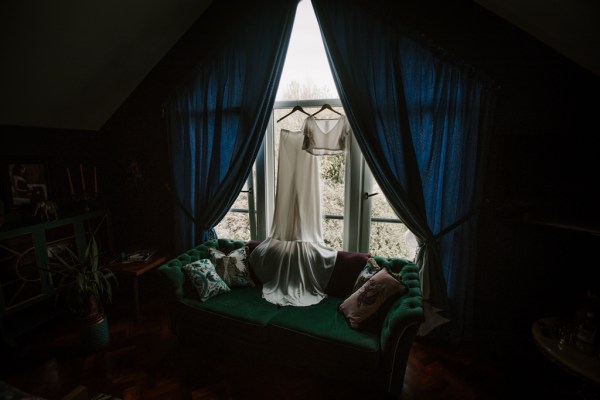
(368,299)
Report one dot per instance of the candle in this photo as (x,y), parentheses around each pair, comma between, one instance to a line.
(82,178)
(70,181)
(95,181)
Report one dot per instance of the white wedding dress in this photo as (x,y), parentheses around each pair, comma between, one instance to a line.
(293,263)
(326,136)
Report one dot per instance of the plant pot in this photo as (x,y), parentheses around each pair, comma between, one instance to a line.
(95,334)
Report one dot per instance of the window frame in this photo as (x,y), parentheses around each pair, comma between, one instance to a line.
(358,179)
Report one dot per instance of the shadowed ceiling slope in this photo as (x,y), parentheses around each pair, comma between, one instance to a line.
(70,64)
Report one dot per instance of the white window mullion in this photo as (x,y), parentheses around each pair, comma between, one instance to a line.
(357,207)
(265,183)
(365,207)
(251,204)
(352,197)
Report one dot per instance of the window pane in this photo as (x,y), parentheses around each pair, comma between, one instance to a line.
(292,122)
(236,224)
(380,208)
(306,74)
(332,168)
(332,229)
(332,184)
(388,239)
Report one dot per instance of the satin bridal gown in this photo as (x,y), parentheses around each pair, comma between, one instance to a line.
(293,263)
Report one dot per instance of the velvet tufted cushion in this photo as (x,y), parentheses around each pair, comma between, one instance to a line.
(323,321)
(226,245)
(406,310)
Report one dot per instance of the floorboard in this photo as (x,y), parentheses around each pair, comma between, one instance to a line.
(143,361)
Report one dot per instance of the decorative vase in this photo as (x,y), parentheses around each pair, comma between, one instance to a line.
(95,334)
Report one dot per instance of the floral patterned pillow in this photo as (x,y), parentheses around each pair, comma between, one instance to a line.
(205,279)
(363,305)
(232,267)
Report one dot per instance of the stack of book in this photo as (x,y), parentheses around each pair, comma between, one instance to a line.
(138,256)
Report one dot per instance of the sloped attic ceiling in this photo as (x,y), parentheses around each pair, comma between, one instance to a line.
(70,63)
(572,27)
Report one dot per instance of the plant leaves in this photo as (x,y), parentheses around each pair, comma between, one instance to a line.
(81,278)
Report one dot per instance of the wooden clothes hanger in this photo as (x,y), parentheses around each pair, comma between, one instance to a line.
(296,108)
(326,107)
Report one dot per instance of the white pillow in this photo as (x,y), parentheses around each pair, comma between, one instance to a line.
(232,267)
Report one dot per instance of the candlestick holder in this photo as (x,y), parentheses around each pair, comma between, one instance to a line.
(85,198)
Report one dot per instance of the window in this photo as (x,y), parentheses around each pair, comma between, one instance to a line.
(354,217)
(240,223)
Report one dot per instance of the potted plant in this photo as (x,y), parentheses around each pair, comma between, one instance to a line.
(85,284)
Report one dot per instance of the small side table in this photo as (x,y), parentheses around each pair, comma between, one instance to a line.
(135,270)
(582,364)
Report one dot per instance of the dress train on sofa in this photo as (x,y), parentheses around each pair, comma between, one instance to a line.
(293,263)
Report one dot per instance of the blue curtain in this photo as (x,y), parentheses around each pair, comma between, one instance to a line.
(421,120)
(217,118)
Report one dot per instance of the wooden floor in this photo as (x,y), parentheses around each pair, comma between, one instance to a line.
(144,362)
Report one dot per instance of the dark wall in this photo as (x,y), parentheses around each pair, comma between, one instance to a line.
(137,134)
(57,150)
(542,162)
(543,171)
(541,144)
(130,153)
(542,168)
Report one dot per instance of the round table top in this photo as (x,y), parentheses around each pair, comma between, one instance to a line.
(583,363)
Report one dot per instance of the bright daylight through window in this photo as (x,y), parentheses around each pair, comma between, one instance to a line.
(356,215)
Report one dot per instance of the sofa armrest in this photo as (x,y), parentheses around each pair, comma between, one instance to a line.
(401,324)
(406,310)
(171,279)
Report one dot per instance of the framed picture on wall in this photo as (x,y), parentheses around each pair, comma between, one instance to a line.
(28,184)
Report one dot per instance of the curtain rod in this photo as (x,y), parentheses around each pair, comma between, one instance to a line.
(307,103)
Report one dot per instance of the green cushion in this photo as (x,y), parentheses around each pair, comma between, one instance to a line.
(241,313)
(228,245)
(325,322)
(244,303)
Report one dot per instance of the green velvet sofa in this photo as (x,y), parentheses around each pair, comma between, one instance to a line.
(317,337)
